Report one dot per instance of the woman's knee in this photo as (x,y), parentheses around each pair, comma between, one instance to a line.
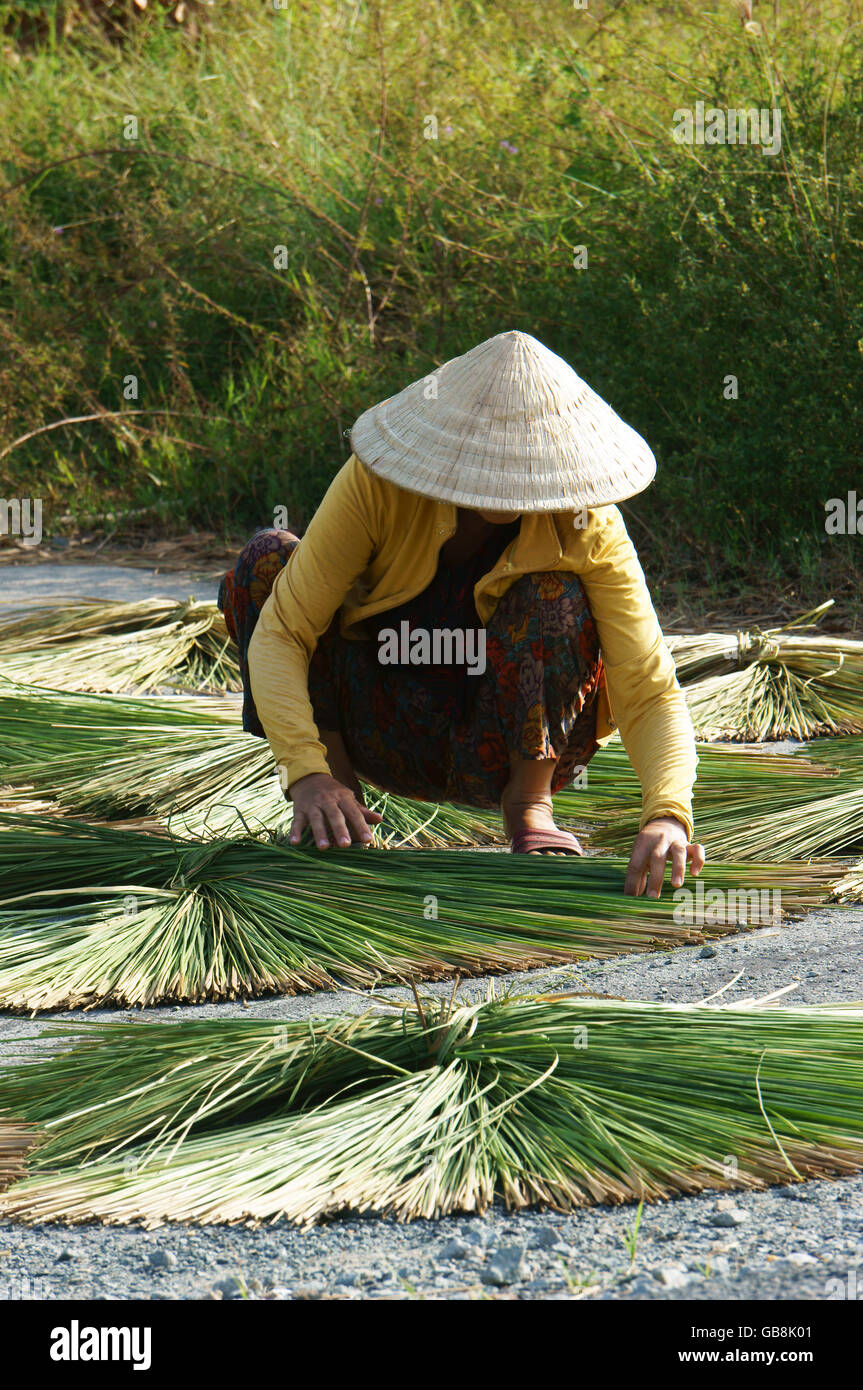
(244,589)
(268,541)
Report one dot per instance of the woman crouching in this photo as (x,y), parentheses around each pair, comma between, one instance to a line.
(464,613)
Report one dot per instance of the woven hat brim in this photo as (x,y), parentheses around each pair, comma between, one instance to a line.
(519,431)
(532,483)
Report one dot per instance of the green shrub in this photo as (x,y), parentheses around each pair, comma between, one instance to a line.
(305,128)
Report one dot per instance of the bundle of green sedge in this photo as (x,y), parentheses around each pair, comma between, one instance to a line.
(550,1101)
(116,916)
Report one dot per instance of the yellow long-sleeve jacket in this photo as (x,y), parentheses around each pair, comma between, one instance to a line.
(372,545)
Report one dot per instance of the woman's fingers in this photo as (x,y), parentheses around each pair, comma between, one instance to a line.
(646,867)
(352,825)
(335,820)
(678,864)
(653,847)
(338,825)
(298,825)
(636,872)
(319,827)
(696,856)
(658,858)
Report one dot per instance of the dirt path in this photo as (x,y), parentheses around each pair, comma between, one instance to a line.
(29,586)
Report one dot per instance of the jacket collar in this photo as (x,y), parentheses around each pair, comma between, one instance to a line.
(538,536)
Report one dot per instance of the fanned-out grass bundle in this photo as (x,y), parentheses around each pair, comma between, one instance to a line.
(94,915)
(557,1101)
(777,683)
(826,818)
(183,760)
(113,647)
(748,803)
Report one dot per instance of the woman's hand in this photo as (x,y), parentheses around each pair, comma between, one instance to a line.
(334,812)
(659,841)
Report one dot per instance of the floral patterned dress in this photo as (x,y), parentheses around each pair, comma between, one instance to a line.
(437,732)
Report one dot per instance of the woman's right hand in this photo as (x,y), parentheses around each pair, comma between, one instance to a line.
(334,813)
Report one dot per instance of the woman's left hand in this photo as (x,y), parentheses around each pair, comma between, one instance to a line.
(659,841)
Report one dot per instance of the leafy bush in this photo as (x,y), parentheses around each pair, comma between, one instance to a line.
(308,128)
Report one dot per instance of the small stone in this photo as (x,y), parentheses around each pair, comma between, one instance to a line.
(722,1247)
(475,1255)
(455,1250)
(707,953)
(642,1287)
(721,1265)
(505,1266)
(476,1235)
(230,1288)
(735,1217)
(799,1258)
(547,1239)
(65,1255)
(162,1259)
(672,1276)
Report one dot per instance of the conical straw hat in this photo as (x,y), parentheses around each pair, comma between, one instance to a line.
(507,427)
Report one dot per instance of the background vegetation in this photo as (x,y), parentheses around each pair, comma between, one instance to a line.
(305,127)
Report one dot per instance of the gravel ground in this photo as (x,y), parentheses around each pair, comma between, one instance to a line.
(799,1242)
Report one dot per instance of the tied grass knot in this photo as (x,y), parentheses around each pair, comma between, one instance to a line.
(755,646)
(447,1030)
(192,863)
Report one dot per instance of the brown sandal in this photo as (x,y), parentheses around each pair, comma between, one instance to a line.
(533,841)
